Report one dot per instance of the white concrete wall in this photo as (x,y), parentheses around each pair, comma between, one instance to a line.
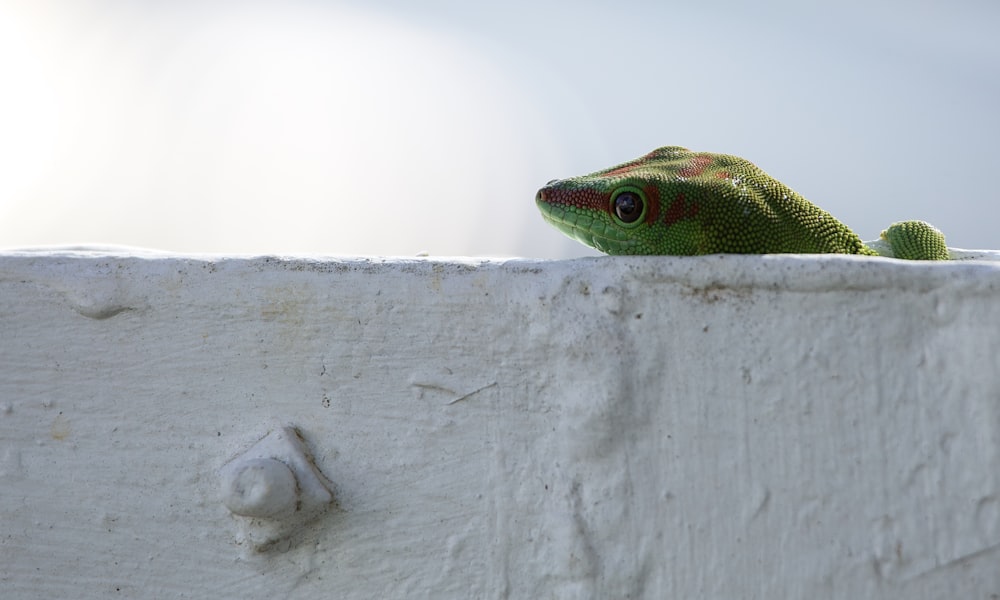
(712,427)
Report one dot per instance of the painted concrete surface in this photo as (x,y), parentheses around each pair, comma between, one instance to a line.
(650,427)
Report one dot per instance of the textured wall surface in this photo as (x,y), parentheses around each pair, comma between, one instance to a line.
(721,426)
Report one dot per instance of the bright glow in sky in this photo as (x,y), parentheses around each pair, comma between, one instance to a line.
(254,128)
(391,128)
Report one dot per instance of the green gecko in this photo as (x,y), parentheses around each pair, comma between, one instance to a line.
(674,201)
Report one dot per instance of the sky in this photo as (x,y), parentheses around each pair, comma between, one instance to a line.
(393,127)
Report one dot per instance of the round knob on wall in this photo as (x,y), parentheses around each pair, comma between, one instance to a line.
(263,488)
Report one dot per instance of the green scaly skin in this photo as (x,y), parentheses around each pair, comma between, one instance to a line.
(674,201)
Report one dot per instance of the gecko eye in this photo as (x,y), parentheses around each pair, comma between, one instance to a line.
(628,206)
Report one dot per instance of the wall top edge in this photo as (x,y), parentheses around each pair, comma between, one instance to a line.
(792,272)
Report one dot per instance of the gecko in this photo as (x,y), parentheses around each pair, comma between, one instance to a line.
(675,201)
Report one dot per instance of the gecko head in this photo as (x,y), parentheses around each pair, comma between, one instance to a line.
(649,205)
(608,220)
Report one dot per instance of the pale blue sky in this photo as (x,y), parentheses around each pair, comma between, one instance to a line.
(392,127)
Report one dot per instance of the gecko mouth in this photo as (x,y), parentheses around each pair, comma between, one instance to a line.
(582,228)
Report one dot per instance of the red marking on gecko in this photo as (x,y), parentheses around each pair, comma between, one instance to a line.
(585,199)
(697,166)
(722,175)
(653,199)
(679,210)
(633,165)
(621,170)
